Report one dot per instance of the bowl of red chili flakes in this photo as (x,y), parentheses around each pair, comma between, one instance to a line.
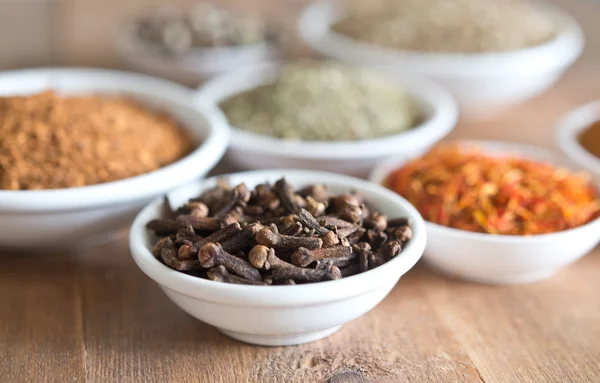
(498,212)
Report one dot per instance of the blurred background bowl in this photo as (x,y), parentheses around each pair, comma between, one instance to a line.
(253,151)
(197,65)
(568,130)
(483,83)
(280,315)
(44,220)
(501,259)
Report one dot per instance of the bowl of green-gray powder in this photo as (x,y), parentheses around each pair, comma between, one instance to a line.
(327,116)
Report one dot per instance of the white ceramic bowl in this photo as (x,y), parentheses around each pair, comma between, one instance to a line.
(569,129)
(61,218)
(254,151)
(502,259)
(482,83)
(196,66)
(280,315)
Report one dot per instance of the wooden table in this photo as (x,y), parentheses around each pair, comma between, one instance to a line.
(93,316)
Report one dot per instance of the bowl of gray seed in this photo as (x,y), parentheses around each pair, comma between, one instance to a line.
(327,116)
(192,44)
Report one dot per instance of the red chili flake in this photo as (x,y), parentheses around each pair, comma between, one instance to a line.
(463,188)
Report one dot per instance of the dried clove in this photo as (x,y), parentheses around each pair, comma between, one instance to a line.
(269,238)
(212,254)
(167,210)
(186,233)
(401,233)
(384,254)
(190,250)
(342,200)
(196,209)
(352,214)
(240,195)
(310,222)
(304,257)
(330,239)
(198,223)
(376,221)
(241,240)
(306,275)
(264,258)
(158,246)
(351,234)
(331,222)
(220,274)
(340,261)
(293,229)
(402,221)
(376,238)
(350,270)
(286,195)
(216,195)
(363,250)
(265,197)
(168,253)
(254,210)
(318,192)
(187,251)
(314,207)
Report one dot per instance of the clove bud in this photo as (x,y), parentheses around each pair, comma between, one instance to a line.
(304,257)
(269,238)
(212,254)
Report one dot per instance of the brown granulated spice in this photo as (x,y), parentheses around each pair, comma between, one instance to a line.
(49,141)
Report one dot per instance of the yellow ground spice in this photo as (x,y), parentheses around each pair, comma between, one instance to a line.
(464,188)
(590,139)
(50,141)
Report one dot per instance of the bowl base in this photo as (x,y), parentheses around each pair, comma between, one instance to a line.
(280,340)
(535,276)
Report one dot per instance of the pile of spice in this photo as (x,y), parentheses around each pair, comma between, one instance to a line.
(51,141)
(314,101)
(590,139)
(463,188)
(275,235)
(458,26)
(173,31)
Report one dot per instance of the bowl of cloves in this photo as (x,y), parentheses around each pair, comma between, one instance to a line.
(278,257)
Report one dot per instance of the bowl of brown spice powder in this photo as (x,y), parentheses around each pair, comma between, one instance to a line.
(82,151)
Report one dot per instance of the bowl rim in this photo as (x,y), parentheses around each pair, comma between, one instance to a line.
(568,129)
(380,172)
(559,52)
(204,156)
(304,294)
(441,121)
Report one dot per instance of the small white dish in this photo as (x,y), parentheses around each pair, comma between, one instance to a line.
(196,66)
(482,83)
(280,315)
(571,126)
(253,151)
(67,218)
(501,259)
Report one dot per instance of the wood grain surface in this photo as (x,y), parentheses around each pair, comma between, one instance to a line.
(92,315)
